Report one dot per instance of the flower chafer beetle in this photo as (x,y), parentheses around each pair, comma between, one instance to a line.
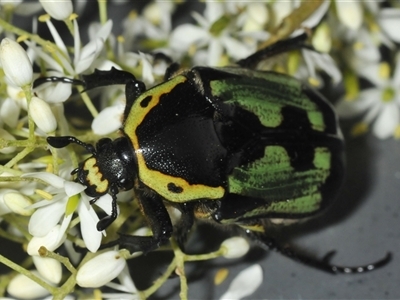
(231,145)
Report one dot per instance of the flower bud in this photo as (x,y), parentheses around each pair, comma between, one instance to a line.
(59,10)
(100,270)
(49,268)
(51,241)
(42,115)
(245,283)
(18,203)
(15,63)
(22,287)
(7,136)
(235,247)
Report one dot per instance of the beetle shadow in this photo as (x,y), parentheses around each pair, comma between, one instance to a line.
(358,180)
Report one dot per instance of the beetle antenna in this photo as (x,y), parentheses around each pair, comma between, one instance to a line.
(67,80)
(63,141)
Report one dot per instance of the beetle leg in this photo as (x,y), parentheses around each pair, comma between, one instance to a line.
(154,210)
(322,264)
(184,225)
(273,50)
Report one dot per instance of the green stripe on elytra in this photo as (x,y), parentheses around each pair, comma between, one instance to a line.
(273,178)
(265,94)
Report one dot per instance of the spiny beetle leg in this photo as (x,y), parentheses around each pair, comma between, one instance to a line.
(273,50)
(158,219)
(67,80)
(322,264)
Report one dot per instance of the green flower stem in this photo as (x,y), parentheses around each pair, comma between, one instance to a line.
(19,156)
(160,281)
(87,101)
(103,19)
(102,11)
(180,270)
(7,27)
(70,25)
(64,260)
(53,290)
(31,125)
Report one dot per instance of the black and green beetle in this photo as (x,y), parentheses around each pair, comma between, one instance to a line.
(229,145)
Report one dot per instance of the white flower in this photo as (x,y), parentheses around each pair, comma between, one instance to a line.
(389,21)
(15,63)
(61,64)
(100,270)
(42,115)
(7,136)
(49,268)
(244,284)
(235,247)
(59,10)
(350,13)
(23,287)
(17,203)
(52,240)
(381,104)
(187,35)
(67,197)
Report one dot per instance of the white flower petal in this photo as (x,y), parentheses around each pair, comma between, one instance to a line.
(386,122)
(104,203)
(59,10)
(186,35)
(7,136)
(15,63)
(50,178)
(51,63)
(22,287)
(389,20)
(244,284)
(105,30)
(235,247)
(73,188)
(350,13)
(235,49)
(49,268)
(42,115)
(4,209)
(213,11)
(45,218)
(90,234)
(54,92)
(52,240)
(100,270)
(396,74)
(372,73)
(88,54)
(214,52)
(108,120)
(18,203)
(365,101)
(9,112)
(57,38)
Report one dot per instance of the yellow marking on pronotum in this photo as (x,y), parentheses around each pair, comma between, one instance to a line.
(155,179)
(94,176)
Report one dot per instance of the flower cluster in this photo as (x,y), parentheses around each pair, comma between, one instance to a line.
(41,205)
